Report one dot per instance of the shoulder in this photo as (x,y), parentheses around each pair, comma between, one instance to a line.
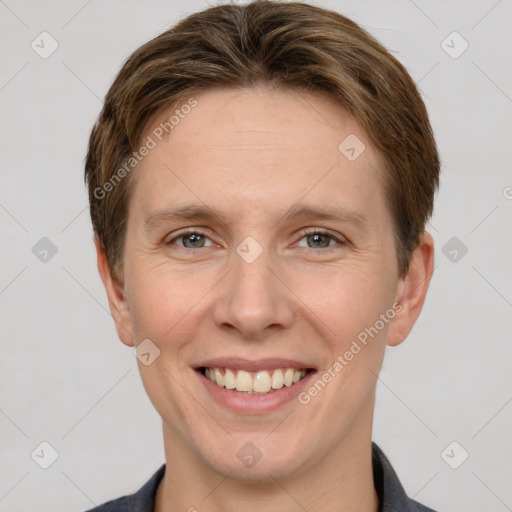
(392,495)
(414,506)
(141,501)
(117,505)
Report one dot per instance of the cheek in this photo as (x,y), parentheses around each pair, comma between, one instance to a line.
(345,300)
(169,306)
(159,301)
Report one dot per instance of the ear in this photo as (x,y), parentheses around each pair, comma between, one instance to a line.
(412,290)
(116,299)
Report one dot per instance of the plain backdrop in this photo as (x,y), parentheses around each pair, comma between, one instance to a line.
(66,379)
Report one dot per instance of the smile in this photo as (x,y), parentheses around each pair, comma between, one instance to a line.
(250,386)
(254,383)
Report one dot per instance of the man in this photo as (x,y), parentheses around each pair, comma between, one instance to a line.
(260,178)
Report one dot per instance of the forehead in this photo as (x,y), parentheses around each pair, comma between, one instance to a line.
(267,147)
(250,118)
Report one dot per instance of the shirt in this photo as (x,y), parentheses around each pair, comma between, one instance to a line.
(391,494)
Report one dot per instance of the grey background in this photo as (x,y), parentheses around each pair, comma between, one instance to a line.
(67,380)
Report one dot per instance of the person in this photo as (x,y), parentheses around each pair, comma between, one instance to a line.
(260,178)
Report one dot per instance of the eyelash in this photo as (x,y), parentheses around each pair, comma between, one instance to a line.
(304,233)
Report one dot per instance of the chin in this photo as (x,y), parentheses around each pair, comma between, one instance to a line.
(256,458)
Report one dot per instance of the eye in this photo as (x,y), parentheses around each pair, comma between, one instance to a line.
(194,238)
(318,239)
(191,239)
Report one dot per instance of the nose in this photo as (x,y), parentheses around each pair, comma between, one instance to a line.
(253,300)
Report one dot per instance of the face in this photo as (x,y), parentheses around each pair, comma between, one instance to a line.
(259,252)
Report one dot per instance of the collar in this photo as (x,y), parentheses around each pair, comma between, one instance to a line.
(392,496)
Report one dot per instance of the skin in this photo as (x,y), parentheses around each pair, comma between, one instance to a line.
(252,154)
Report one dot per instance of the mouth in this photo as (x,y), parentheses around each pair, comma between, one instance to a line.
(254,387)
(254,383)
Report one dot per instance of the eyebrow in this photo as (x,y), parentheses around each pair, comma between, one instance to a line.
(297,211)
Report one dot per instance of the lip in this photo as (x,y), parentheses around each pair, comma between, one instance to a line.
(270,363)
(254,404)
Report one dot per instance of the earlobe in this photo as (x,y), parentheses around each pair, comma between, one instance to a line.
(412,290)
(116,298)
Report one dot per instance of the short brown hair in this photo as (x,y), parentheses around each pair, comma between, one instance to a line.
(286,45)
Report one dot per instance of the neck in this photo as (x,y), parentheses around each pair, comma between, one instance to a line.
(341,481)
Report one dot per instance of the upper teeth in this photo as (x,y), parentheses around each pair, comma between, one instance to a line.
(258,382)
